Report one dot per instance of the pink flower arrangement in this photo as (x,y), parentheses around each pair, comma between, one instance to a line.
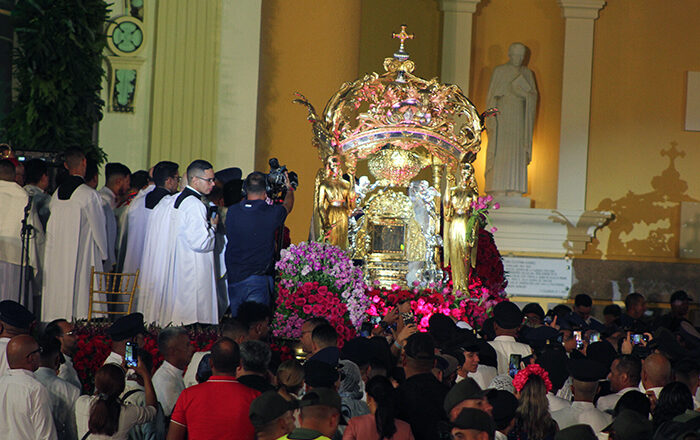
(523,376)
(318,279)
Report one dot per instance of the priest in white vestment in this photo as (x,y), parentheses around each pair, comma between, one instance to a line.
(193,296)
(117,183)
(76,240)
(133,232)
(13,202)
(514,93)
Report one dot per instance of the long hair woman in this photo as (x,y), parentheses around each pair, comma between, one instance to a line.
(532,418)
(381,423)
(103,416)
(290,379)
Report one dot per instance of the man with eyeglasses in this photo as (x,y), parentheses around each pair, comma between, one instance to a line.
(63,331)
(191,295)
(25,403)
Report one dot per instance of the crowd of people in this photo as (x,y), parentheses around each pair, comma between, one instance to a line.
(525,374)
(199,252)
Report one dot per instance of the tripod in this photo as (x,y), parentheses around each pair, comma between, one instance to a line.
(24,269)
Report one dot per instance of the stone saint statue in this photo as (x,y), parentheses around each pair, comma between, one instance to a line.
(333,204)
(457,248)
(514,93)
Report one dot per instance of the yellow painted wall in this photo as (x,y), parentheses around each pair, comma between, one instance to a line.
(539,25)
(185,81)
(309,48)
(641,55)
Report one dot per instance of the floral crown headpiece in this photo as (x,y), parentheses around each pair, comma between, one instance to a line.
(523,376)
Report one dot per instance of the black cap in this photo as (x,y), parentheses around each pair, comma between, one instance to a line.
(680,295)
(612,309)
(228,174)
(358,350)
(602,352)
(666,341)
(534,308)
(464,390)
(576,432)
(15,314)
(476,419)
(127,327)
(322,396)
(507,315)
(320,374)
(539,337)
(586,370)
(420,346)
(268,406)
(554,362)
(630,425)
(504,405)
(466,340)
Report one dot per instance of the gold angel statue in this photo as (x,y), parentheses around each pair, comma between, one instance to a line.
(333,203)
(459,241)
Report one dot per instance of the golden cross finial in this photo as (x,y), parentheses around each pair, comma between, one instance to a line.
(403,36)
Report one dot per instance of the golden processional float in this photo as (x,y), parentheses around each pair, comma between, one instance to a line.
(395,125)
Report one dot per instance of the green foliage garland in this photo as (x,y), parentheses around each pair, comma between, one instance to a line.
(58,65)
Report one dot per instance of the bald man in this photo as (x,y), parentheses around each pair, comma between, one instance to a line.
(656,374)
(24,402)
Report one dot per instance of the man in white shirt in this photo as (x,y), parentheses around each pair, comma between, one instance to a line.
(174,345)
(554,361)
(625,374)
(128,328)
(507,321)
(586,374)
(117,182)
(15,320)
(62,330)
(25,403)
(61,394)
(656,374)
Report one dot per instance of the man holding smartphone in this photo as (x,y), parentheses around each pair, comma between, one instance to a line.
(507,321)
(127,330)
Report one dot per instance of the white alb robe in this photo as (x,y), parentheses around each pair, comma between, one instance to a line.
(109,203)
(76,239)
(13,200)
(156,262)
(132,232)
(193,297)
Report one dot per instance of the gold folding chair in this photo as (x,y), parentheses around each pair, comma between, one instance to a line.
(118,288)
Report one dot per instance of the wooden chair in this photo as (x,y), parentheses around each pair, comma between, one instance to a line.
(118,288)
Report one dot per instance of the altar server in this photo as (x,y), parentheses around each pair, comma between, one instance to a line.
(117,183)
(14,200)
(193,297)
(76,239)
(133,229)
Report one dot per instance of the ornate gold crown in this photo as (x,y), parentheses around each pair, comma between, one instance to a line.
(400,109)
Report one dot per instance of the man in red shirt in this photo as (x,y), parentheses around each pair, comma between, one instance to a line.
(218,408)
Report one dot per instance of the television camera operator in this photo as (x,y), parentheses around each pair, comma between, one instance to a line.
(251,226)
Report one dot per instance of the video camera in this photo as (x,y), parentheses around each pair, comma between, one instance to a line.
(276,188)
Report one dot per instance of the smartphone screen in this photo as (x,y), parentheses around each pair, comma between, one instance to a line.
(130,355)
(595,337)
(637,338)
(579,339)
(514,364)
(408,318)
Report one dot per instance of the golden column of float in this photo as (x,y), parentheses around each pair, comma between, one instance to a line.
(396,125)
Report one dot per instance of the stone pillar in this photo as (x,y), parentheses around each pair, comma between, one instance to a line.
(239,67)
(457,41)
(580,16)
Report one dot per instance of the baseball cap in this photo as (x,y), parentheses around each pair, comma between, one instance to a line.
(268,406)
(476,419)
(464,390)
(321,397)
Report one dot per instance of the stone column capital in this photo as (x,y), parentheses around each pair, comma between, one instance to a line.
(468,6)
(587,9)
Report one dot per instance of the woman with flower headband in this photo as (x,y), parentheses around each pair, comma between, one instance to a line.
(532,418)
